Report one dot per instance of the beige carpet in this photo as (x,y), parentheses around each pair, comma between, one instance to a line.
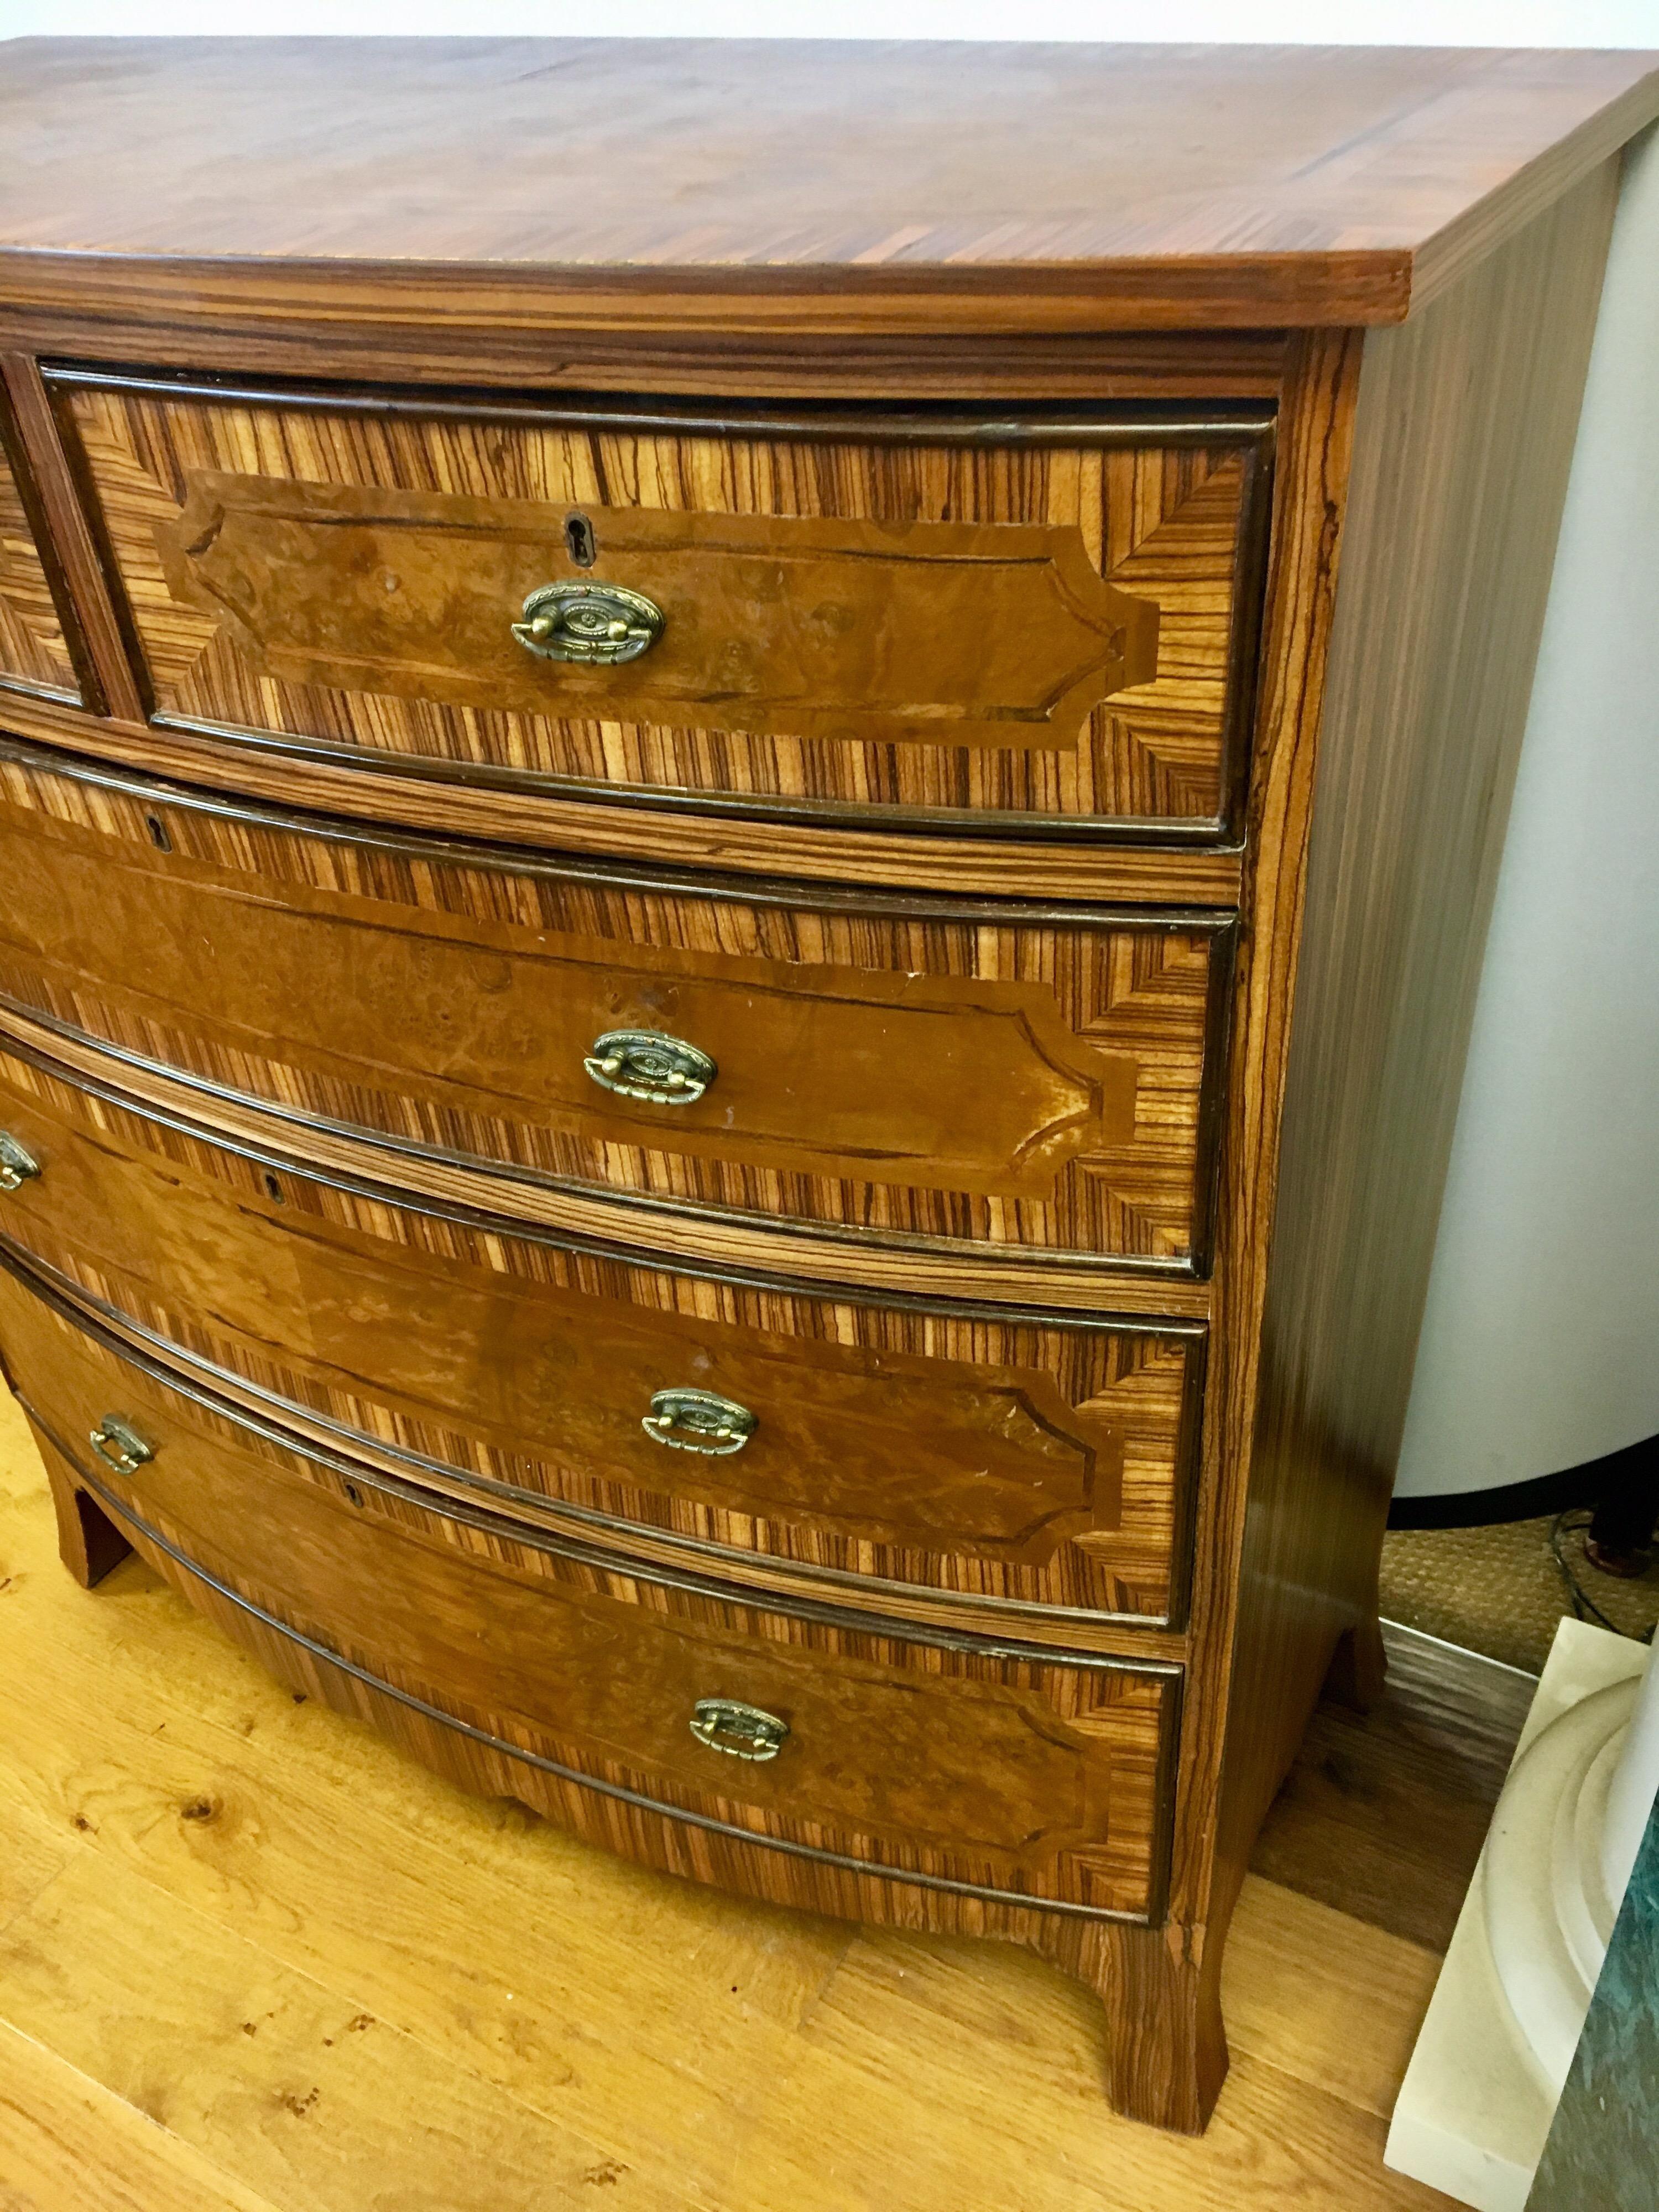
(1498,1590)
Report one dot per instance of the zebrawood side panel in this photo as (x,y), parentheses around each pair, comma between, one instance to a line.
(975,1075)
(1019,1458)
(34,652)
(1312,483)
(980,1766)
(1462,442)
(349,575)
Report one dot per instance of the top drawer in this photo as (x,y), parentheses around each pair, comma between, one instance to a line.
(1044,626)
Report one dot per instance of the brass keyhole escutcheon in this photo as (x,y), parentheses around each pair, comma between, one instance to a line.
(663,1071)
(599,624)
(741,1731)
(699,1421)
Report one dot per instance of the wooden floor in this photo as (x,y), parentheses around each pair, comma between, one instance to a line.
(251,1957)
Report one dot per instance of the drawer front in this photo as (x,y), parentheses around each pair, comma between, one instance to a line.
(33,656)
(1024,1461)
(1052,626)
(963,1074)
(1027,1775)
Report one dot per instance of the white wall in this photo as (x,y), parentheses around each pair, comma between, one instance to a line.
(1541,1345)
(1318,23)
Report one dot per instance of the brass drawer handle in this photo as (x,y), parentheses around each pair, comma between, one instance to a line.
(741,1731)
(17,1163)
(599,624)
(698,1421)
(664,1071)
(118,1443)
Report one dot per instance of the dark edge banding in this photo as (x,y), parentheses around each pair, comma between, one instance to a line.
(1063,422)
(1250,563)
(53,1287)
(1051,1258)
(528,859)
(600,1557)
(90,697)
(625,1255)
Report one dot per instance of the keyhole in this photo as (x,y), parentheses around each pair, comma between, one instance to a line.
(579,537)
(158,833)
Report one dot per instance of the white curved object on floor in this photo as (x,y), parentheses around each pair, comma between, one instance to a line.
(1547,1913)
(1484,2080)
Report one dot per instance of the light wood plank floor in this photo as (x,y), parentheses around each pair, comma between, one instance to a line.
(252,1958)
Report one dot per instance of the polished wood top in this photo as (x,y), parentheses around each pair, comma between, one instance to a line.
(1073,186)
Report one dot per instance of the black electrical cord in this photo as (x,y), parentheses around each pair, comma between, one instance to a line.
(1574,1522)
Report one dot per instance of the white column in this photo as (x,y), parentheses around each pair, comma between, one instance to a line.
(1634,1786)
(1538,1347)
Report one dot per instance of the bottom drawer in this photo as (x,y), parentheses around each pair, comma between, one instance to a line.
(1010,1773)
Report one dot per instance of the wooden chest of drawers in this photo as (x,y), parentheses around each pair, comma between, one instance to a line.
(730,995)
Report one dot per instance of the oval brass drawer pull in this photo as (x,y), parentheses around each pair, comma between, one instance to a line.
(664,1071)
(741,1731)
(17,1163)
(699,1421)
(601,624)
(119,1443)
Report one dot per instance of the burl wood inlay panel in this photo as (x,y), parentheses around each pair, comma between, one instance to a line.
(950,1072)
(1019,1458)
(885,627)
(889,633)
(1033,1776)
(32,651)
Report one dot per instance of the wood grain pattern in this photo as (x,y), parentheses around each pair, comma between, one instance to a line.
(346,575)
(61,2131)
(389,1014)
(1383,1814)
(394,2114)
(360,1165)
(1084,188)
(314,777)
(1027,1461)
(1174,2066)
(681,2033)
(1001,1769)
(43,314)
(32,1857)
(1462,442)
(33,654)
(1019,1081)
(899,632)
(93,640)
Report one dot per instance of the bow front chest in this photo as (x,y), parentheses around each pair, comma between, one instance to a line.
(748,795)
